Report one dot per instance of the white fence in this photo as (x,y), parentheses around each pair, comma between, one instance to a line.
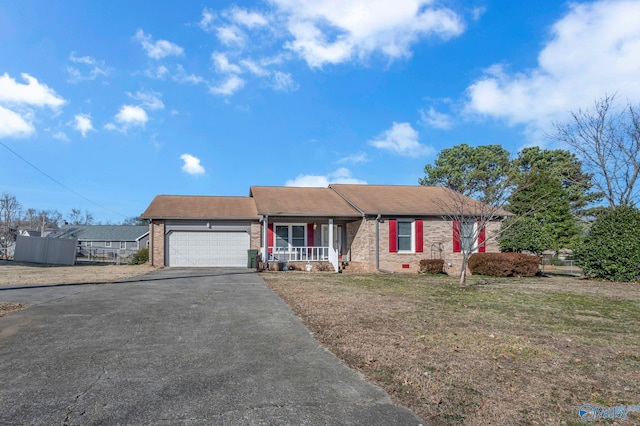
(51,251)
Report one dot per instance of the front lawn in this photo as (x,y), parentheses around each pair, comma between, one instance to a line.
(499,351)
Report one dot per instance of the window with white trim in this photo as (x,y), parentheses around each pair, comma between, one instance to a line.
(290,235)
(406,236)
(123,244)
(107,243)
(468,236)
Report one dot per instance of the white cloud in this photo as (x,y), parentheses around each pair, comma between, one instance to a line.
(13,124)
(181,76)
(593,50)
(83,124)
(149,100)
(17,102)
(401,139)
(92,68)
(158,49)
(129,116)
(230,35)
(254,68)
(357,158)
(192,165)
(159,73)
(247,18)
(132,115)
(341,175)
(33,93)
(61,136)
(435,119)
(283,82)
(206,23)
(231,85)
(336,31)
(477,13)
(222,64)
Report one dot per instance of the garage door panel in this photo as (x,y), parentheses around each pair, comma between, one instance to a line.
(208,248)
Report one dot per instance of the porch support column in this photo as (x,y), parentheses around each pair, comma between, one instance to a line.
(333,254)
(265,239)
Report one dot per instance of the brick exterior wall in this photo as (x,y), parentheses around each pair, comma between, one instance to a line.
(437,239)
(156,231)
(256,237)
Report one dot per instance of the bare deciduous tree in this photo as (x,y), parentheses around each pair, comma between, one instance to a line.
(474,223)
(607,140)
(9,216)
(76,217)
(48,220)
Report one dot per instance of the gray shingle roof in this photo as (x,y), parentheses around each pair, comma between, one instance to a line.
(102,232)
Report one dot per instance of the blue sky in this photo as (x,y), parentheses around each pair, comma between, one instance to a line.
(104,105)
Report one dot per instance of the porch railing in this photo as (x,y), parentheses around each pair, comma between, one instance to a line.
(304,254)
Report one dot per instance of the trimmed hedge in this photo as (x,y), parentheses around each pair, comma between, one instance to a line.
(504,264)
(432,266)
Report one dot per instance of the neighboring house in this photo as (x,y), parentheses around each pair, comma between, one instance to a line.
(106,238)
(358,227)
(29,233)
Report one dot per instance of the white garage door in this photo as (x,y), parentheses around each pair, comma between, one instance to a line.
(208,248)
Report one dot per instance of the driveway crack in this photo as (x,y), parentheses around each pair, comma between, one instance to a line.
(70,408)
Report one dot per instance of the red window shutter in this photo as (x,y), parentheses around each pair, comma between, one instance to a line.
(310,234)
(481,238)
(419,236)
(457,248)
(270,238)
(393,236)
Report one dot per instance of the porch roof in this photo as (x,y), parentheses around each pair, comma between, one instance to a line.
(409,200)
(295,201)
(200,207)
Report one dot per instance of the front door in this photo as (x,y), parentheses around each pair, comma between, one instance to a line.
(337,237)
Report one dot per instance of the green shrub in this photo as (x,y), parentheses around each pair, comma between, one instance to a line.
(524,234)
(432,266)
(611,249)
(141,257)
(504,264)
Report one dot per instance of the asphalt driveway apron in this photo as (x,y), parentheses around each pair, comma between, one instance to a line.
(178,346)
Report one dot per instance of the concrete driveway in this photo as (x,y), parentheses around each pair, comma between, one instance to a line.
(178,346)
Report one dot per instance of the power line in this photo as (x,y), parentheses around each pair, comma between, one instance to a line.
(60,183)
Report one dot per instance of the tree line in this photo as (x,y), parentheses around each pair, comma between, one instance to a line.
(556,196)
(14,218)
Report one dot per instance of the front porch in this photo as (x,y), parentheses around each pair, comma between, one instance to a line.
(305,241)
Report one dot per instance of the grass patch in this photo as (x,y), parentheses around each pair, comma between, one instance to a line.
(499,351)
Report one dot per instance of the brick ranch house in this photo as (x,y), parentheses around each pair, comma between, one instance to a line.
(363,228)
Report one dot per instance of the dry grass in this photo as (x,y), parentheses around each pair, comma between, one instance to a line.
(499,351)
(7,308)
(19,273)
